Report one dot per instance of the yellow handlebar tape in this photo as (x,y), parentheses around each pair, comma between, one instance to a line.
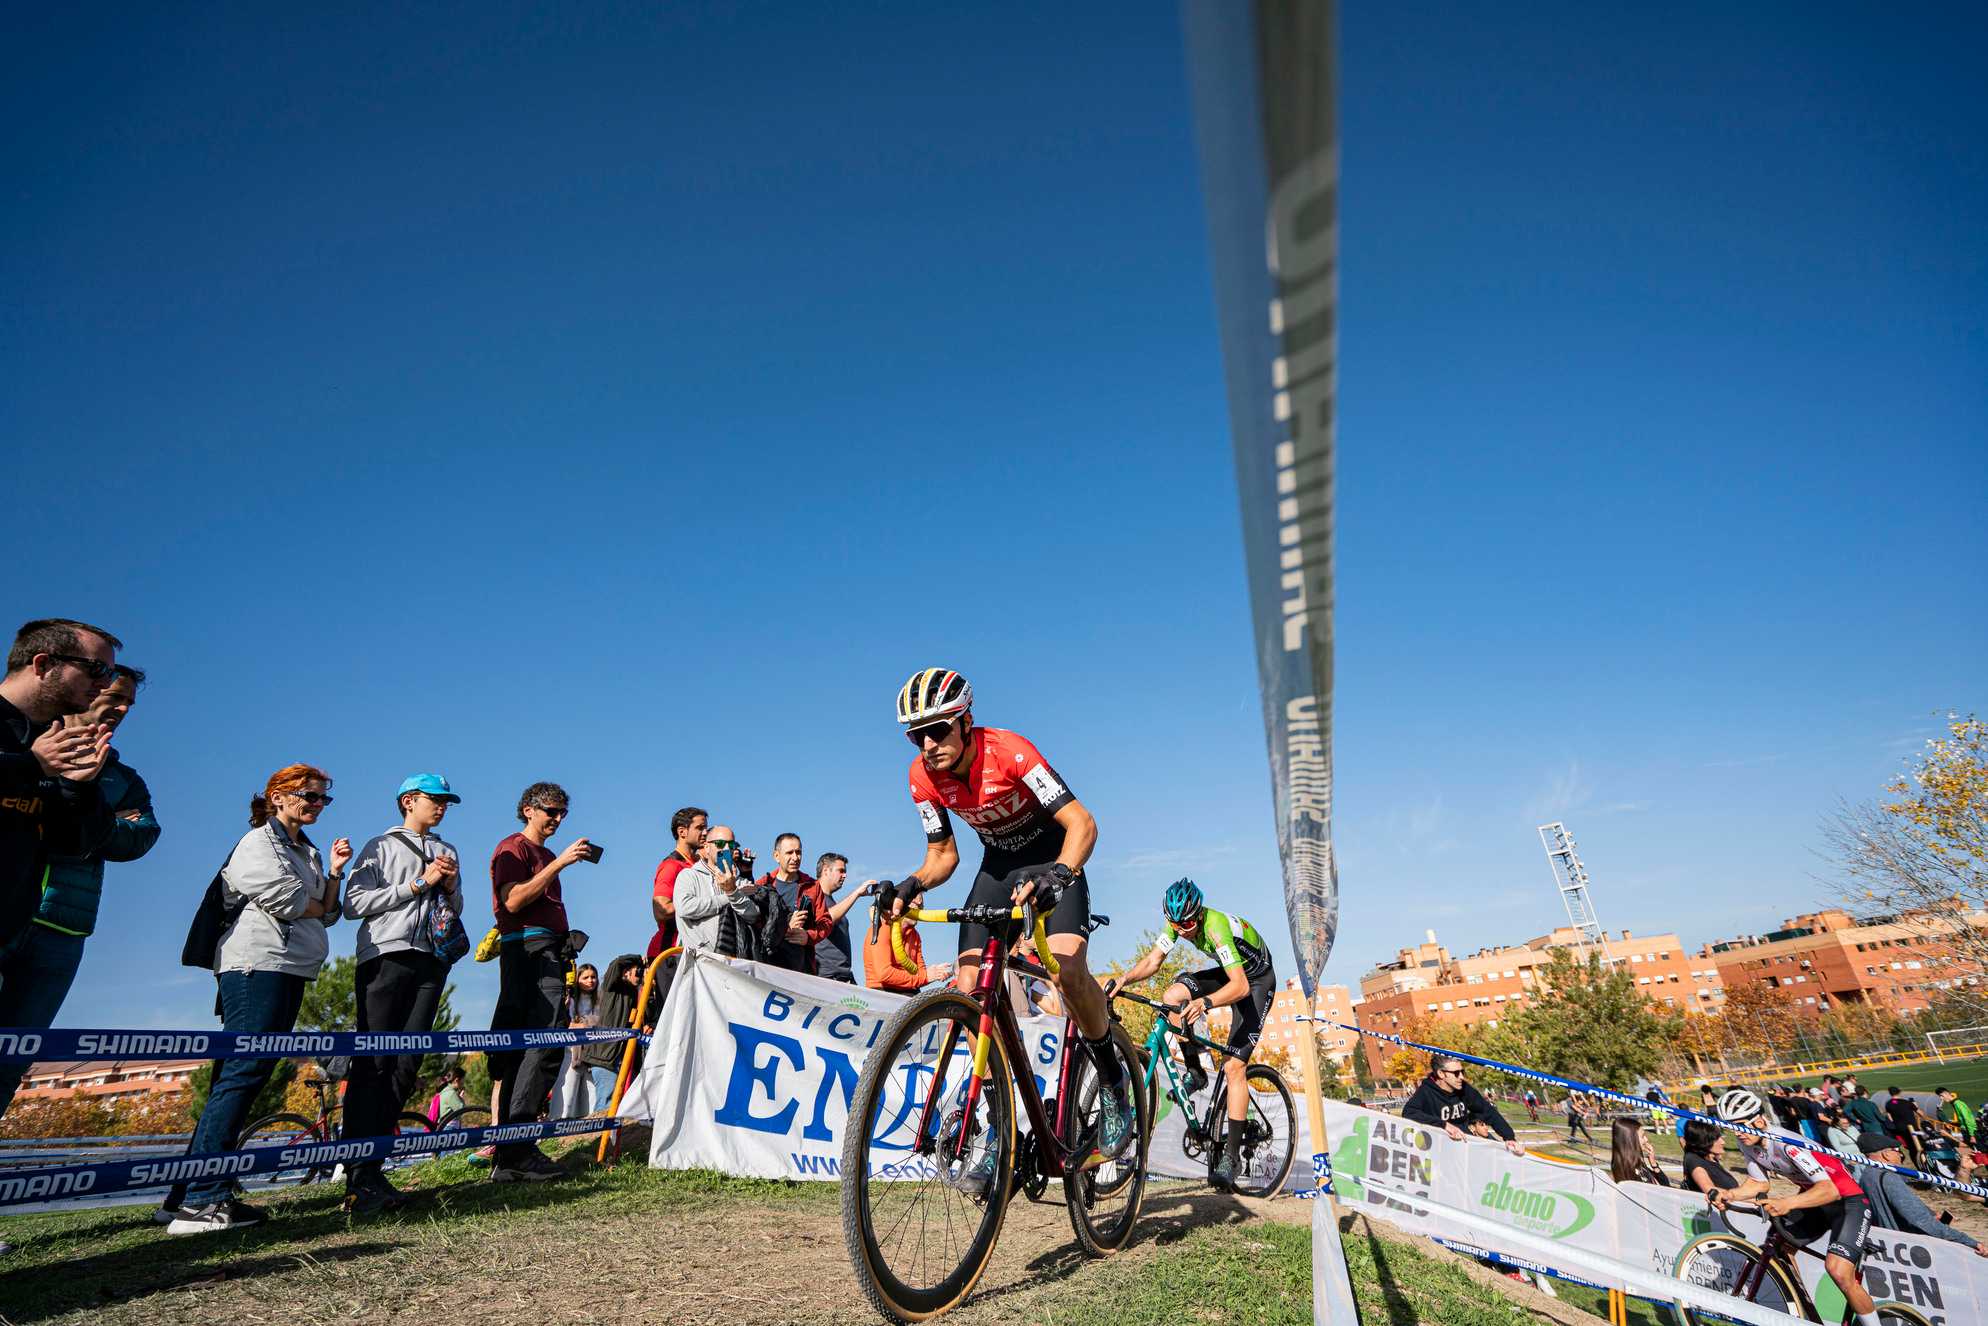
(1041,936)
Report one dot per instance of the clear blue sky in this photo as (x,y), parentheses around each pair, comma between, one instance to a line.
(632,396)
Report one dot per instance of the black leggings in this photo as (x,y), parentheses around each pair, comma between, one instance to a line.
(394,992)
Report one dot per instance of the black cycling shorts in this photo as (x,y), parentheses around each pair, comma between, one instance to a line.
(1246,1014)
(996,888)
(1847,1221)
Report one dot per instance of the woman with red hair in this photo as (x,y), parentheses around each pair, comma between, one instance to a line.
(281,898)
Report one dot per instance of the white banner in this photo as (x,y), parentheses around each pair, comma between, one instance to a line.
(1574,1206)
(752,1069)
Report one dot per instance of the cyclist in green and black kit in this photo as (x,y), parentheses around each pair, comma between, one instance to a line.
(1243,982)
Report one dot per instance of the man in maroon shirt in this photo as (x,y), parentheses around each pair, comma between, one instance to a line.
(531,970)
(689,825)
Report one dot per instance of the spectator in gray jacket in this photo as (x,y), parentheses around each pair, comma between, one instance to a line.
(270,951)
(703,891)
(1893,1203)
(398,881)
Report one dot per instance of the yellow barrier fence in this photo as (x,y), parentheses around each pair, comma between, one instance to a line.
(628,1054)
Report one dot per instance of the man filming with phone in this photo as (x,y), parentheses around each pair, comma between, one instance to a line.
(533,952)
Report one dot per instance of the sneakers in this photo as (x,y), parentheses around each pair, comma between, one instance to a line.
(1114,1121)
(163,1213)
(975,1179)
(531,1166)
(215,1217)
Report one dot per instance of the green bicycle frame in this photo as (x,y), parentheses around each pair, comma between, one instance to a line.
(1156,1054)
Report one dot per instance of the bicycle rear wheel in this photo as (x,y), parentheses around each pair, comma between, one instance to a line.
(285,1130)
(1270,1130)
(1104,1199)
(922,1210)
(1720,1262)
(1897,1314)
(469,1116)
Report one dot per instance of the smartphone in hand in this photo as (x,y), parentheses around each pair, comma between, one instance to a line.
(594,852)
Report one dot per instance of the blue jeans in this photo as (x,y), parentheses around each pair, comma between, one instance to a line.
(261,1001)
(35,978)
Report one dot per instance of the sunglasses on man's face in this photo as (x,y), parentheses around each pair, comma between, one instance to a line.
(930,732)
(94,669)
(722,844)
(313,798)
(551,812)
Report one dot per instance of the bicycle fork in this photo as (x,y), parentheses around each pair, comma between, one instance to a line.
(983,1046)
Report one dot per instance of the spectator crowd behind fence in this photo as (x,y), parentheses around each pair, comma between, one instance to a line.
(69,804)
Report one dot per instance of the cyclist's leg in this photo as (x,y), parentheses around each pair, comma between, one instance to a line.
(1245,1027)
(1846,1250)
(1193,985)
(1069,940)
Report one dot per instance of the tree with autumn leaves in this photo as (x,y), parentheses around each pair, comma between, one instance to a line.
(1921,854)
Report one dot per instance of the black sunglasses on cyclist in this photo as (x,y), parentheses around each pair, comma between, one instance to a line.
(313,798)
(932,731)
(556,812)
(94,669)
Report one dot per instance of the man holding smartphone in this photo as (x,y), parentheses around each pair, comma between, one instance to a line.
(531,990)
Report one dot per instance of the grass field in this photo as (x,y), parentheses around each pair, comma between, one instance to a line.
(1969,1077)
(632,1244)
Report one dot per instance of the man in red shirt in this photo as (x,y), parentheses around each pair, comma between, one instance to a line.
(689,826)
(531,969)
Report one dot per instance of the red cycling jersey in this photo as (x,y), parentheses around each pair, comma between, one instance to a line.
(1784,1154)
(1009,794)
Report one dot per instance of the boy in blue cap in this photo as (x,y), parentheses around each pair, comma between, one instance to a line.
(398,882)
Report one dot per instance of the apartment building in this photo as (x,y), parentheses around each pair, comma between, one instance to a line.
(1428,984)
(60,1079)
(1830,957)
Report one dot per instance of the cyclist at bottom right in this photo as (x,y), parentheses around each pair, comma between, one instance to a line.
(1830,1200)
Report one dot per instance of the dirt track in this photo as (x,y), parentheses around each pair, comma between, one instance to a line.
(627,1246)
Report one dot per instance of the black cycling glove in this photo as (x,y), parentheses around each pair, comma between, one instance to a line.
(1051,883)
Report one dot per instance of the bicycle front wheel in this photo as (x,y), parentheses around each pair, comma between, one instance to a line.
(1104,1199)
(1270,1131)
(285,1130)
(1720,1262)
(927,1156)
(1897,1314)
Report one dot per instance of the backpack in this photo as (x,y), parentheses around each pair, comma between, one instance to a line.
(211,921)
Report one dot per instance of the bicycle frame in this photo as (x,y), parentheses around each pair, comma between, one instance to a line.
(1775,1246)
(997,1018)
(1156,1048)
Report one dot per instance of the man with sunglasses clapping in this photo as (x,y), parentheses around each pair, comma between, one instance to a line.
(49,799)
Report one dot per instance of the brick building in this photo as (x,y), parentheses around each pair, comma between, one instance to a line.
(1281,1028)
(1830,957)
(61,1079)
(1426,983)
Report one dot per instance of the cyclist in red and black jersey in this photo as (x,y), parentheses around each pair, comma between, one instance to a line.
(1830,1201)
(1036,834)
